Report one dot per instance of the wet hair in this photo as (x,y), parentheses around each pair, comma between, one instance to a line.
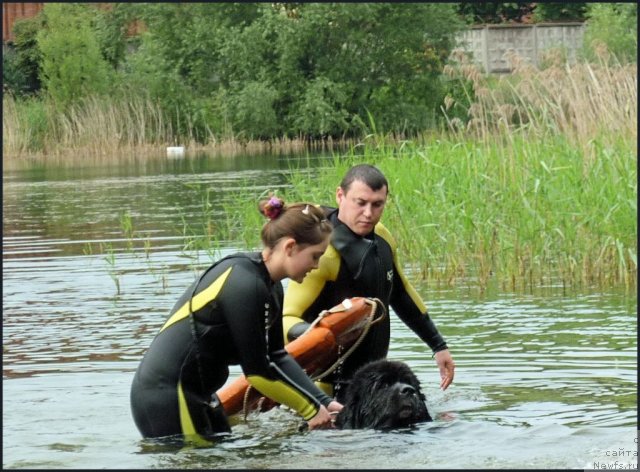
(366,173)
(304,222)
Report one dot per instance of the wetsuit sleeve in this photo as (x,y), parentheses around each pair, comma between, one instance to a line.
(300,296)
(408,305)
(262,357)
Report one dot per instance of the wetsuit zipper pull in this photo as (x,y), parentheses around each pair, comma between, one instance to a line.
(364,257)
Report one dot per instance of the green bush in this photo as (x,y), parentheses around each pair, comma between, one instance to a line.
(560,11)
(321,111)
(614,25)
(254,112)
(257,70)
(21,61)
(13,81)
(289,69)
(72,64)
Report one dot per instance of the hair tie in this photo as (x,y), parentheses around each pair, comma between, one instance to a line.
(273,208)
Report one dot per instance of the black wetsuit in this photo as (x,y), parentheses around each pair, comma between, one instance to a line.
(237,319)
(357,266)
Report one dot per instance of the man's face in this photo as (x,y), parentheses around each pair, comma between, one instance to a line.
(360,208)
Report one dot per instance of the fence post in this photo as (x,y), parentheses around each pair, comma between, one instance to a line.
(536,60)
(485,49)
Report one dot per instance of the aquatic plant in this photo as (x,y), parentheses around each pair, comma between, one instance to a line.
(110,258)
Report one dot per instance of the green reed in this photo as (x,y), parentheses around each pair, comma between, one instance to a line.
(538,188)
(525,214)
(110,258)
(522,212)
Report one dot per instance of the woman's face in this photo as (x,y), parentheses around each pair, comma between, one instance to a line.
(304,258)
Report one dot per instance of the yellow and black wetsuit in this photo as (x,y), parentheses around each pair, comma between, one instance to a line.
(356,266)
(237,319)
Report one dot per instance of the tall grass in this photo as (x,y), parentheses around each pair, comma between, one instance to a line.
(522,215)
(111,127)
(94,126)
(538,189)
(582,101)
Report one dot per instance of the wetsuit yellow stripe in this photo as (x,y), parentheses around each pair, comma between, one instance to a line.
(326,387)
(384,233)
(186,424)
(285,394)
(200,300)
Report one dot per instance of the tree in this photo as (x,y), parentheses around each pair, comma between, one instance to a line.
(21,62)
(495,12)
(564,11)
(110,25)
(72,64)
(383,59)
(312,69)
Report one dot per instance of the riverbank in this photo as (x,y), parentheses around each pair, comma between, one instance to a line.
(538,187)
(580,102)
(101,130)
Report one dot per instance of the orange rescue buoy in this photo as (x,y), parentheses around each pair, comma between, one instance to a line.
(330,336)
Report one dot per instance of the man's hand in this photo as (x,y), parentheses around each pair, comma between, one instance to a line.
(446,366)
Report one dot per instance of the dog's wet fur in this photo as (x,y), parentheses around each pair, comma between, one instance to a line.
(383,395)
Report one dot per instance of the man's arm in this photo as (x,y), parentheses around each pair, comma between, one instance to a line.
(413,312)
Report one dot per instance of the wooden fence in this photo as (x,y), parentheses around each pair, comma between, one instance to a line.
(16,11)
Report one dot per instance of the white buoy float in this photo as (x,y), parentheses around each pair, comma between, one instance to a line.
(175,151)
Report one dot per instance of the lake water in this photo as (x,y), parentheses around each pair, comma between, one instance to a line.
(543,380)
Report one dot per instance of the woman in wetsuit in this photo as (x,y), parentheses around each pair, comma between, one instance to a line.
(233,315)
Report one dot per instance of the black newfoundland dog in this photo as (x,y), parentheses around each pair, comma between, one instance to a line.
(383,395)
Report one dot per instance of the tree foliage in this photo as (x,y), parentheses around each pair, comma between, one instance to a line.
(496,12)
(614,25)
(257,70)
(72,65)
(521,12)
(21,61)
(560,11)
(312,69)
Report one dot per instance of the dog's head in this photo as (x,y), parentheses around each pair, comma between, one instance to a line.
(383,395)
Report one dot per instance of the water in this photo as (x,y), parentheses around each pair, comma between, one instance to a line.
(543,380)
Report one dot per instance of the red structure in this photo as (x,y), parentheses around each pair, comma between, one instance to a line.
(16,11)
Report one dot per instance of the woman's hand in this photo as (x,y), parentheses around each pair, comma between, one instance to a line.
(324,419)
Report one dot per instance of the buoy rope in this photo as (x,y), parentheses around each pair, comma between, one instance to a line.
(370,321)
(245,401)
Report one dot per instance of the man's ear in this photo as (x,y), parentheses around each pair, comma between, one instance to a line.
(339,195)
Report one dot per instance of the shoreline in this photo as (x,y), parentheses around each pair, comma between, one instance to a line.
(223,148)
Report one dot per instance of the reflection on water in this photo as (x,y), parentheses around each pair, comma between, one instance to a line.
(542,380)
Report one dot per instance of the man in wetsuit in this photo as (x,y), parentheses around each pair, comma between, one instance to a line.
(361,261)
